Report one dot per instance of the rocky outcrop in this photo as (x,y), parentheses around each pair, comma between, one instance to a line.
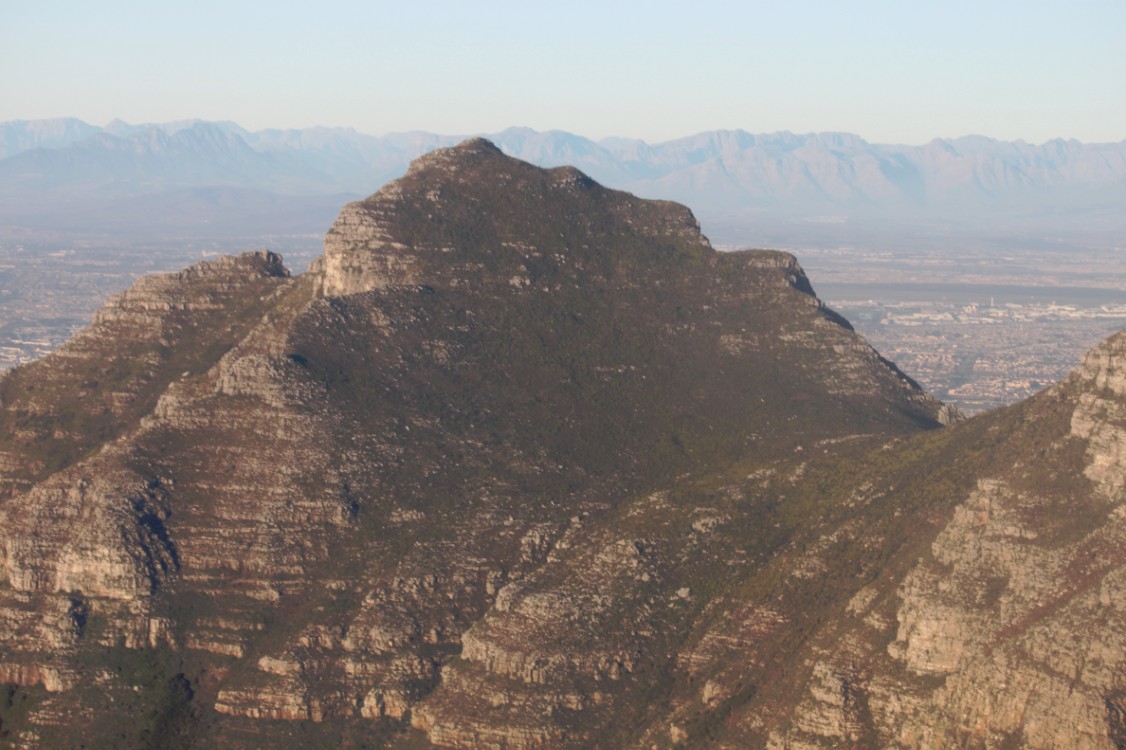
(1004,632)
(108,377)
(201,287)
(93,529)
(1100,415)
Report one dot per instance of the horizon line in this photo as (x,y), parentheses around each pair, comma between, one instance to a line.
(184,123)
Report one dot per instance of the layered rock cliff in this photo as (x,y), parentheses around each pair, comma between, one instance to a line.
(990,619)
(522,462)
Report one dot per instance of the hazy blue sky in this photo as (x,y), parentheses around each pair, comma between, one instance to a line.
(892,71)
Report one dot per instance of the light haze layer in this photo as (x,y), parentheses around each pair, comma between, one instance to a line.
(894,72)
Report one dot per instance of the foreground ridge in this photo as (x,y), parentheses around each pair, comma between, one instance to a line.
(523,462)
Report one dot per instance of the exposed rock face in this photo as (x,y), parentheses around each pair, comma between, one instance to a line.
(522,462)
(98,530)
(1002,630)
(1100,415)
(110,375)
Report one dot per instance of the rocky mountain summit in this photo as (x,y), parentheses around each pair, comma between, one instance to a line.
(522,462)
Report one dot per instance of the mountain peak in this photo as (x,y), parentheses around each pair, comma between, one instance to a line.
(462,153)
(472,215)
(516,432)
(476,145)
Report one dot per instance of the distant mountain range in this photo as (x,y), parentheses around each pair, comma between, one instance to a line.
(744,187)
